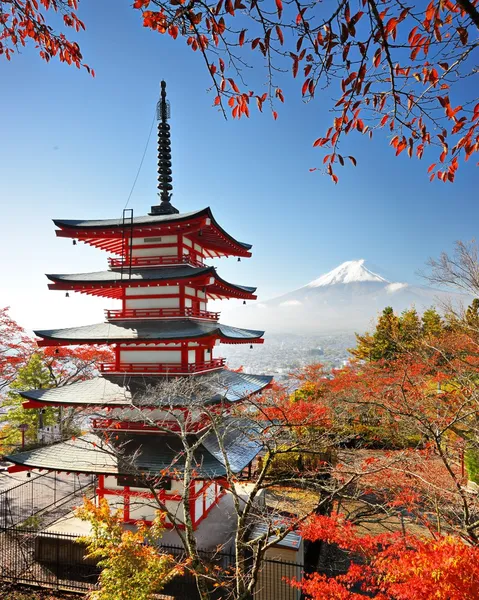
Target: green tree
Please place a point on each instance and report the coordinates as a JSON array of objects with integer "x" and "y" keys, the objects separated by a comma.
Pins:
[
  {"x": 383, "y": 344},
  {"x": 471, "y": 317},
  {"x": 34, "y": 375},
  {"x": 432, "y": 324},
  {"x": 409, "y": 330}
]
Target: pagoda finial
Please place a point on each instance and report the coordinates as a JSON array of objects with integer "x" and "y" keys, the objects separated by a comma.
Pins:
[{"x": 164, "y": 157}]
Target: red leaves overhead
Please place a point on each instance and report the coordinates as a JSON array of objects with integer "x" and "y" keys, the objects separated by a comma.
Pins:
[
  {"x": 381, "y": 64},
  {"x": 279, "y": 8}
]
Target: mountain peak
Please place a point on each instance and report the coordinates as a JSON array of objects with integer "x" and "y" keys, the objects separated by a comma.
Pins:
[{"x": 351, "y": 271}]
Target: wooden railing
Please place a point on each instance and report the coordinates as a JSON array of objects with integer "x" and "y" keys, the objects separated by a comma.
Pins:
[
  {"x": 161, "y": 313},
  {"x": 163, "y": 368},
  {"x": 155, "y": 261}
]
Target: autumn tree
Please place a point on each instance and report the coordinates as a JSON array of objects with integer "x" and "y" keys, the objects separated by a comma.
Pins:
[
  {"x": 275, "y": 424},
  {"x": 133, "y": 566},
  {"x": 16, "y": 347},
  {"x": 25, "y": 367},
  {"x": 386, "y": 65},
  {"x": 396, "y": 567}
]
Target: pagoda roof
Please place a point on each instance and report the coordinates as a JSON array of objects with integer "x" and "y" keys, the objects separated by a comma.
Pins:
[
  {"x": 153, "y": 453},
  {"x": 124, "y": 391},
  {"x": 147, "y": 330},
  {"x": 115, "y": 278},
  {"x": 200, "y": 224}
]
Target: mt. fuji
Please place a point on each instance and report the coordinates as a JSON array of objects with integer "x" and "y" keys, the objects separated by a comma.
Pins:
[{"x": 348, "y": 298}]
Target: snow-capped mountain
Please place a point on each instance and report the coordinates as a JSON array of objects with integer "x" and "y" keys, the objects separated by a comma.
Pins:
[
  {"x": 348, "y": 298},
  {"x": 350, "y": 271}
]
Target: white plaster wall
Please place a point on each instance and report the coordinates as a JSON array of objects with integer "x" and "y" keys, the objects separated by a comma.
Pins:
[
  {"x": 187, "y": 241},
  {"x": 153, "y": 303},
  {"x": 191, "y": 356},
  {"x": 198, "y": 507},
  {"x": 168, "y": 251},
  {"x": 210, "y": 495},
  {"x": 144, "y": 356}
]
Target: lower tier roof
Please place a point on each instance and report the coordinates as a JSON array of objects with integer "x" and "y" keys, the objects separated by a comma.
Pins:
[
  {"x": 123, "y": 391},
  {"x": 148, "y": 453},
  {"x": 128, "y": 331}
]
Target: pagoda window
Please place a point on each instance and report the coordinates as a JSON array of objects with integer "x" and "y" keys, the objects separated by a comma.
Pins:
[
  {"x": 164, "y": 239},
  {"x": 139, "y": 482}
]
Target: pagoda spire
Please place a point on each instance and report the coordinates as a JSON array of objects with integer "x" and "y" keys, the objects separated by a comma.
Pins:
[{"x": 164, "y": 157}]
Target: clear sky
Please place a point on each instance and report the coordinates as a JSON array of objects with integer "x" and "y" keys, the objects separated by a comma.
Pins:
[{"x": 71, "y": 147}]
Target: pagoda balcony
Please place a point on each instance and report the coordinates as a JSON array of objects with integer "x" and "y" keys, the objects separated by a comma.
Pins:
[
  {"x": 154, "y": 261},
  {"x": 160, "y": 313},
  {"x": 164, "y": 368}
]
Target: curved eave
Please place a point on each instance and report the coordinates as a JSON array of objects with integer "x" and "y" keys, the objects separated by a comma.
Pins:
[
  {"x": 120, "y": 391},
  {"x": 201, "y": 226},
  {"x": 216, "y": 286},
  {"x": 170, "y": 332},
  {"x": 91, "y": 454}
]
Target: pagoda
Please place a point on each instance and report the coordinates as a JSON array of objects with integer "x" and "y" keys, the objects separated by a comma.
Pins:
[{"x": 161, "y": 330}]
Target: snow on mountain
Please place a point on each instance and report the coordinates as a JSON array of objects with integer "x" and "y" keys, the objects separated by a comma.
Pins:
[
  {"x": 348, "y": 272},
  {"x": 348, "y": 298}
]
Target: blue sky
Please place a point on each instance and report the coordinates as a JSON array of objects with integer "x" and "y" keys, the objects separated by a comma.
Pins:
[{"x": 71, "y": 146}]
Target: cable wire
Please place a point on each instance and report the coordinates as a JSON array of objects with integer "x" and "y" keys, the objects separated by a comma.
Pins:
[{"x": 142, "y": 159}]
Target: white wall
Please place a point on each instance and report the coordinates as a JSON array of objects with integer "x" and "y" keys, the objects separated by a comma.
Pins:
[
  {"x": 152, "y": 303},
  {"x": 150, "y": 356}
]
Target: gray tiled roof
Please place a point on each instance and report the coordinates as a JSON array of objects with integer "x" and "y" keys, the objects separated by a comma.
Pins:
[
  {"x": 171, "y": 272},
  {"x": 147, "y": 220},
  {"x": 291, "y": 540},
  {"x": 151, "y": 452},
  {"x": 160, "y": 274},
  {"x": 115, "y": 390},
  {"x": 149, "y": 330},
  {"x": 240, "y": 440}
]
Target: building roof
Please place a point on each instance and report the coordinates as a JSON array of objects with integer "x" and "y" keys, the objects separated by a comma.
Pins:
[
  {"x": 115, "y": 278},
  {"x": 115, "y": 390},
  {"x": 212, "y": 234},
  {"x": 129, "y": 331},
  {"x": 292, "y": 539},
  {"x": 151, "y": 453}
]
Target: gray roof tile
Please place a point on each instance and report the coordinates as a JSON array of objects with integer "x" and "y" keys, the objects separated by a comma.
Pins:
[
  {"x": 151, "y": 452},
  {"x": 149, "y": 330},
  {"x": 115, "y": 390},
  {"x": 160, "y": 274},
  {"x": 146, "y": 220}
]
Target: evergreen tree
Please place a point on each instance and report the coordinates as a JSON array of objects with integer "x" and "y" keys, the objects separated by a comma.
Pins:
[
  {"x": 432, "y": 324},
  {"x": 34, "y": 375},
  {"x": 409, "y": 329},
  {"x": 471, "y": 317},
  {"x": 386, "y": 336}
]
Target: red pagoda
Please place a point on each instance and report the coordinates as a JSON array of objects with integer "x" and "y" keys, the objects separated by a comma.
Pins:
[{"x": 161, "y": 329}]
